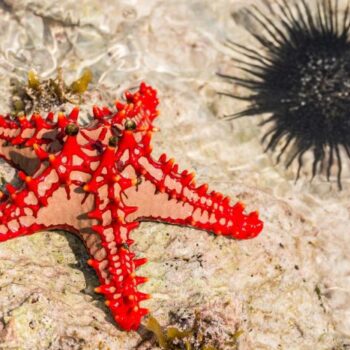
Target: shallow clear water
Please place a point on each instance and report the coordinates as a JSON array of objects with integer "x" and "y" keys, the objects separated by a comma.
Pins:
[{"x": 287, "y": 289}]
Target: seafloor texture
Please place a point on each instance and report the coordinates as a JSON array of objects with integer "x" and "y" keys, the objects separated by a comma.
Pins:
[{"x": 287, "y": 289}]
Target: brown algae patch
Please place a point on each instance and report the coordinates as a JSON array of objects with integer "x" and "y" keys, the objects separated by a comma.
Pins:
[
  {"x": 194, "y": 330},
  {"x": 42, "y": 95}
]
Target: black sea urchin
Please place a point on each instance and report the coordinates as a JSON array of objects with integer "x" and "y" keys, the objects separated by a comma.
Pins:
[{"x": 302, "y": 80}]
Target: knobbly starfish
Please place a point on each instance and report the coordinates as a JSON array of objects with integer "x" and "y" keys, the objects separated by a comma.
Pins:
[{"x": 99, "y": 181}]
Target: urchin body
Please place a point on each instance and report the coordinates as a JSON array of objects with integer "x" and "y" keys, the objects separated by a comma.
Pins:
[{"x": 302, "y": 80}]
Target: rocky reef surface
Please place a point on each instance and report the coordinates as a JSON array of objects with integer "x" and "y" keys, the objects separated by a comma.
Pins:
[{"x": 287, "y": 289}]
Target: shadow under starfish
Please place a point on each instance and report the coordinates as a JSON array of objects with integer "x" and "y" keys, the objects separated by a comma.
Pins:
[{"x": 99, "y": 181}]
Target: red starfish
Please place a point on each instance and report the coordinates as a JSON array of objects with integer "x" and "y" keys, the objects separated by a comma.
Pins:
[{"x": 99, "y": 181}]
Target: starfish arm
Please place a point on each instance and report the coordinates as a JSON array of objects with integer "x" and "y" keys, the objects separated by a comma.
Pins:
[
  {"x": 36, "y": 205},
  {"x": 173, "y": 197},
  {"x": 116, "y": 267},
  {"x": 18, "y": 136},
  {"x": 43, "y": 200},
  {"x": 116, "y": 272},
  {"x": 15, "y": 221},
  {"x": 19, "y": 210}
]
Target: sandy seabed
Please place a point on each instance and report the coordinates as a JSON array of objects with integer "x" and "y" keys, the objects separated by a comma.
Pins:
[{"x": 287, "y": 289}]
